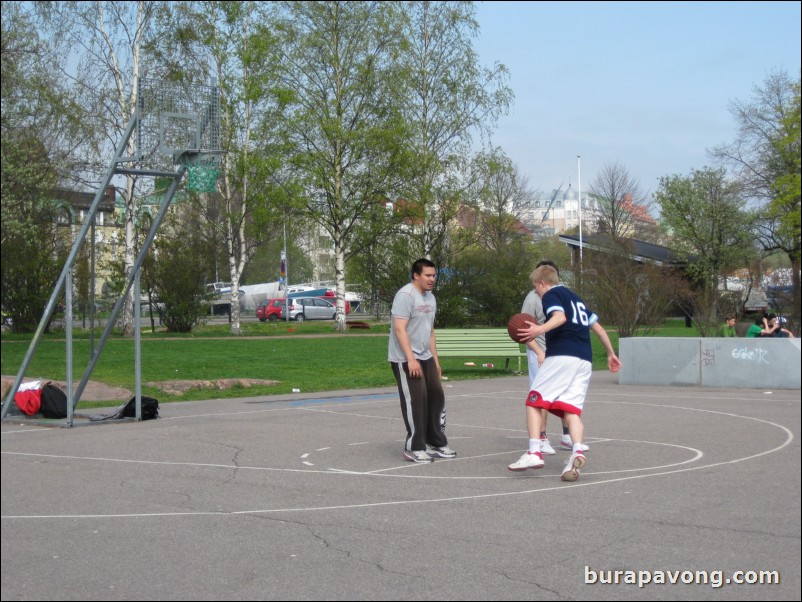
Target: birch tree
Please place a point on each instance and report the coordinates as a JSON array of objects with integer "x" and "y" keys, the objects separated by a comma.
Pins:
[
  {"x": 450, "y": 99},
  {"x": 343, "y": 123},
  {"x": 107, "y": 41},
  {"x": 232, "y": 43}
]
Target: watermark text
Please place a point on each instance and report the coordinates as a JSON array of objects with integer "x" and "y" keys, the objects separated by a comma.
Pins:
[{"x": 714, "y": 579}]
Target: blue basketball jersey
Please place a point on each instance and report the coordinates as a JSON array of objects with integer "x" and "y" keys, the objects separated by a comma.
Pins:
[{"x": 573, "y": 337}]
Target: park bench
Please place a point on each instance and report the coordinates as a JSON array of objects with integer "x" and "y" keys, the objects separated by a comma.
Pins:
[{"x": 479, "y": 342}]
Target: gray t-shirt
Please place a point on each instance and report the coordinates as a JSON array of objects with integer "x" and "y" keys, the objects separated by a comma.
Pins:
[
  {"x": 418, "y": 309},
  {"x": 533, "y": 306}
]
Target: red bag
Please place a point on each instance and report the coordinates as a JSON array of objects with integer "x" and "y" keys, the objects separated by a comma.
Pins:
[{"x": 29, "y": 401}]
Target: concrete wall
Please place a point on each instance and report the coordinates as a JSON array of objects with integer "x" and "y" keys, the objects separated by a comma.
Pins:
[{"x": 711, "y": 362}]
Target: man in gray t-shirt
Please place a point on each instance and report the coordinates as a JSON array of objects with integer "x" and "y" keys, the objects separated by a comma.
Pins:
[
  {"x": 536, "y": 349},
  {"x": 412, "y": 353}
]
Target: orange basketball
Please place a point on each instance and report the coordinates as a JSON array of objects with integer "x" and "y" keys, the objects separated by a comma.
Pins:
[{"x": 516, "y": 322}]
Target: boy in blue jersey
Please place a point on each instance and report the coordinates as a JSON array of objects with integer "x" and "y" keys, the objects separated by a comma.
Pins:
[{"x": 562, "y": 381}]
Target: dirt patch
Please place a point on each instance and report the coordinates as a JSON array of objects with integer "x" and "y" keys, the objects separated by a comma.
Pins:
[
  {"x": 179, "y": 387},
  {"x": 97, "y": 391},
  {"x": 93, "y": 391}
]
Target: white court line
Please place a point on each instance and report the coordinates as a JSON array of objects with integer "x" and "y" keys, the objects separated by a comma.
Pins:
[
  {"x": 512, "y": 394},
  {"x": 562, "y": 487},
  {"x": 38, "y": 429},
  {"x": 698, "y": 455},
  {"x": 728, "y": 397}
]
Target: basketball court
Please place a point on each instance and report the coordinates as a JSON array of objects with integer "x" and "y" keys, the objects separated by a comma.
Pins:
[{"x": 308, "y": 497}]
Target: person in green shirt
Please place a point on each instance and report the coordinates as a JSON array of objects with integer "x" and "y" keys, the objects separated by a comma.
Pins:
[
  {"x": 728, "y": 328},
  {"x": 760, "y": 328}
]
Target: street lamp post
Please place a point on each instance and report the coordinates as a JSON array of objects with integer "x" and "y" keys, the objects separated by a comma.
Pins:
[
  {"x": 579, "y": 194},
  {"x": 285, "y": 274}
]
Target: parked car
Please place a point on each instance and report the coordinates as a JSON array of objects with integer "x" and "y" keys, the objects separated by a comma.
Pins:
[
  {"x": 301, "y": 308},
  {"x": 332, "y": 296},
  {"x": 313, "y": 308},
  {"x": 270, "y": 309}
]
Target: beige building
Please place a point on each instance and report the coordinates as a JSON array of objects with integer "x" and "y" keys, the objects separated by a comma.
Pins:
[
  {"x": 76, "y": 207},
  {"x": 559, "y": 211}
]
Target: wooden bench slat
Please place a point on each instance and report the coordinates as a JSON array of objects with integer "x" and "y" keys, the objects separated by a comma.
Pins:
[{"x": 482, "y": 342}]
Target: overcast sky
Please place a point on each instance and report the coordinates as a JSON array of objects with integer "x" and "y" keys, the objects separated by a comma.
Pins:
[{"x": 647, "y": 84}]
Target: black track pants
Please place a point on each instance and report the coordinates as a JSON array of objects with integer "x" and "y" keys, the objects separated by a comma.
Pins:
[{"x": 423, "y": 405}]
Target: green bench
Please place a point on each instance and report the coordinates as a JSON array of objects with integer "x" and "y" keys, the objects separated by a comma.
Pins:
[{"x": 479, "y": 342}]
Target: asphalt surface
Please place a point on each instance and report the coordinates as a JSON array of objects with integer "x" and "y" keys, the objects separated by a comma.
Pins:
[{"x": 301, "y": 496}]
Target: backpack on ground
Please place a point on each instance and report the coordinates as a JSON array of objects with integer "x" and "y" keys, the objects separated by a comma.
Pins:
[
  {"x": 29, "y": 401},
  {"x": 54, "y": 402},
  {"x": 150, "y": 410}
]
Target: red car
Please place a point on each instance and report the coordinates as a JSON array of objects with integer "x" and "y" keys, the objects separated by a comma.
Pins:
[
  {"x": 270, "y": 309},
  {"x": 301, "y": 308}
]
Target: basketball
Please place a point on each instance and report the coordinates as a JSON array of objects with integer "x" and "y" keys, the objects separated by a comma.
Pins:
[{"x": 516, "y": 322}]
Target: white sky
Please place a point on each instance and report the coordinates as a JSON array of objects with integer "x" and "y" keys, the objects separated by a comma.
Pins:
[{"x": 647, "y": 84}]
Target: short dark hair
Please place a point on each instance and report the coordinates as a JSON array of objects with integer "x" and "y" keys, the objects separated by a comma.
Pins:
[
  {"x": 548, "y": 262},
  {"x": 417, "y": 267}
]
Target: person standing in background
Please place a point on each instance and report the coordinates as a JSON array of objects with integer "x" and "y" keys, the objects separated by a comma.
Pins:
[{"x": 728, "y": 328}]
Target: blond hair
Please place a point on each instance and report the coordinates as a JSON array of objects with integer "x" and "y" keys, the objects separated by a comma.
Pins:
[{"x": 545, "y": 273}]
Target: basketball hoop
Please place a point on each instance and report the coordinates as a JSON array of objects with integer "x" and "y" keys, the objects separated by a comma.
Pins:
[
  {"x": 203, "y": 169},
  {"x": 182, "y": 121},
  {"x": 202, "y": 178}
]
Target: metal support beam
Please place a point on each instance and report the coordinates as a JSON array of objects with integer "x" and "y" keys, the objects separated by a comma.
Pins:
[
  {"x": 79, "y": 240},
  {"x": 168, "y": 199}
]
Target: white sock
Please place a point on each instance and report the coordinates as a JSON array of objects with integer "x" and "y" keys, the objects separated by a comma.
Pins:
[
  {"x": 577, "y": 448},
  {"x": 534, "y": 446}
]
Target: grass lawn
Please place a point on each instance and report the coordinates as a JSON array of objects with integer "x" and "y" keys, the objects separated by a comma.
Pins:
[{"x": 303, "y": 356}]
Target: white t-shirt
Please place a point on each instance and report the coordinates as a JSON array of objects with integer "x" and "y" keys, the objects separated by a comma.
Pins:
[{"x": 419, "y": 310}]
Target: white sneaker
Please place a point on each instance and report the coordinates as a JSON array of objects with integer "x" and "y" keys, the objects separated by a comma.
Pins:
[
  {"x": 545, "y": 447},
  {"x": 440, "y": 452},
  {"x": 575, "y": 462},
  {"x": 566, "y": 443},
  {"x": 419, "y": 457},
  {"x": 528, "y": 460}
]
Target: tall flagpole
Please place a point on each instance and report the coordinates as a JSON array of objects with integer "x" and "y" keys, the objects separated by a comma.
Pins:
[
  {"x": 579, "y": 194},
  {"x": 285, "y": 273}
]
